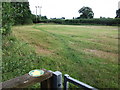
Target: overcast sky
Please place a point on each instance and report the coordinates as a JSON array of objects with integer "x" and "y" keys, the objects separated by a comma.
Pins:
[{"x": 69, "y": 8}]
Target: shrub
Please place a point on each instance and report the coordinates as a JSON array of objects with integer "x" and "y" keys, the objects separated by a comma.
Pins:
[{"x": 28, "y": 21}]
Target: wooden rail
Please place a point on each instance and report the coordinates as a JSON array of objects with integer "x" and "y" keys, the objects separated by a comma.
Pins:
[{"x": 27, "y": 80}]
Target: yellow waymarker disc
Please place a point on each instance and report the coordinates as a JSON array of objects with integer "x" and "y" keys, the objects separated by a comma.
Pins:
[{"x": 36, "y": 73}]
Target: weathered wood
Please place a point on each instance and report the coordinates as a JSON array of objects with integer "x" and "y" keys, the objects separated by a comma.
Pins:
[
  {"x": 47, "y": 84},
  {"x": 55, "y": 82},
  {"x": 25, "y": 80}
]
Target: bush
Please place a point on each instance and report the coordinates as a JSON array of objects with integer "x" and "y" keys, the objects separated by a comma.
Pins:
[{"x": 28, "y": 21}]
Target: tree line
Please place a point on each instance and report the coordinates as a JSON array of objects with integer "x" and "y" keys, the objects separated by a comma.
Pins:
[{"x": 18, "y": 13}]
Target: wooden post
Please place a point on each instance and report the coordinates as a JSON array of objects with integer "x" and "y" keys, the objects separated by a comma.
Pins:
[
  {"x": 47, "y": 84},
  {"x": 55, "y": 82}
]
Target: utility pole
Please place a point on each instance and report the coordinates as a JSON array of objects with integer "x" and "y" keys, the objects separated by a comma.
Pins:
[
  {"x": 36, "y": 13},
  {"x": 39, "y": 7},
  {"x": 40, "y": 11}
]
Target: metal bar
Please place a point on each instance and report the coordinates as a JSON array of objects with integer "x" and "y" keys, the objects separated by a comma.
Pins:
[
  {"x": 65, "y": 82},
  {"x": 76, "y": 82},
  {"x": 36, "y": 13}
]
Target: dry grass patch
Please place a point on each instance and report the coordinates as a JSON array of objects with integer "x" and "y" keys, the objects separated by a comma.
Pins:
[
  {"x": 106, "y": 55},
  {"x": 40, "y": 50}
]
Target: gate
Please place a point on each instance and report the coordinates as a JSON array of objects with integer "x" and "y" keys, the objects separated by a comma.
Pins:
[{"x": 49, "y": 80}]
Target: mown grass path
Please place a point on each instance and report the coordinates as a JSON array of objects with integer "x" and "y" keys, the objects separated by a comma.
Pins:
[{"x": 69, "y": 52}]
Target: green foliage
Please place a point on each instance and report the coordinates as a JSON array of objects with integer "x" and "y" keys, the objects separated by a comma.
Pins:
[
  {"x": 22, "y": 13},
  {"x": 86, "y": 12},
  {"x": 43, "y": 17},
  {"x": 14, "y": 13},
  {"x": 38, "y": 19},
  {"x": 117, "y": 13},
  {"x": 7, "y": 18},
  {"x": 28, "y": 21},
  {"x": 34, "y": 18}
]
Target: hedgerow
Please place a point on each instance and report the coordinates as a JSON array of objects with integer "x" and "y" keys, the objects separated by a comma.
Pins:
[{"x": 108, "y": 21}]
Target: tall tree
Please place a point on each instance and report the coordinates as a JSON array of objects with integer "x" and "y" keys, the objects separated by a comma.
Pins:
[
  {"x": 86, "y": 12},
  {"x": 117, "y": 13},
  {"x": 22, "y": 12}
]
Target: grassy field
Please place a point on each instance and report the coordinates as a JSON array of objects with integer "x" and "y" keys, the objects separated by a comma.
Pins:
[{"x": 87, "y": 53}]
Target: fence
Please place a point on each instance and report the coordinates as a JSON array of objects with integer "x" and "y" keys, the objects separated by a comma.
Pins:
[{"x": 48, "y": 80}]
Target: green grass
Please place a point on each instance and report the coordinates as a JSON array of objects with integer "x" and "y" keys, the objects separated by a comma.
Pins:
[{"x": 87, "y": 53}]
